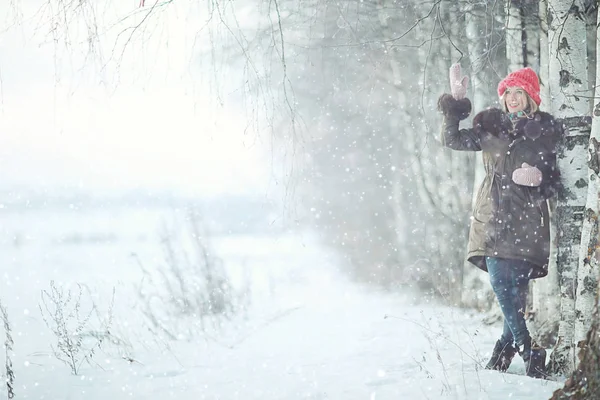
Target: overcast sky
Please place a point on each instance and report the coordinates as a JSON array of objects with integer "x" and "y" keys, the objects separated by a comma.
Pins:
[{"x": 66, "y": 121}]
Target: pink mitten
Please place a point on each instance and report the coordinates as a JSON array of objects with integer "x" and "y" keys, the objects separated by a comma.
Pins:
[
  {"x": 458, "y": 84},
  {"x": 527, "y": 176}
]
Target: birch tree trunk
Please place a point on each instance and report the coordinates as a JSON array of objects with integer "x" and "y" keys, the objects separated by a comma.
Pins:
[
  {"x": 522, "y": 34},
  {"x": 479, "y": 31},
  {"x": 515, "y": 52},
  {"x": 584, "y": 383},
  {"x": 544, "y": 55},
  {"x": 568, "y": 79},
  {"x": 456, "y": 184},
  {"x": 592, "y": 42},
  {"x": 413, "y": 155},
  {"x": 531, "y": 25},
  {"x": 443, "y": 189},
  {"x": 544, "y": 319},
  {"x": 587, "y": 271}
]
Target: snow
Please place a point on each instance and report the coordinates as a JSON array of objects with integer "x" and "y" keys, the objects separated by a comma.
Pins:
[{"x": 308, "y": 332}]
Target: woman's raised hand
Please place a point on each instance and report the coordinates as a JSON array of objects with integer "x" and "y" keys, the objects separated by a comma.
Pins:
[{"x": 458, "y": 83}]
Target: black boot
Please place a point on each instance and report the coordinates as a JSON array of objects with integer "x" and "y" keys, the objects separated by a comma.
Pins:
[
  {"x": 534, "y": 357},
  {"x": 501, "y": 356}
]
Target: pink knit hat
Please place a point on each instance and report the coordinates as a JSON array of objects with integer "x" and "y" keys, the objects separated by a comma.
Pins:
[{"x": 525, "y": 78}]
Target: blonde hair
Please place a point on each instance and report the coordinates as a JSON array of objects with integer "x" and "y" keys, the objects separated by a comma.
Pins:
[{"x": 532, "y": 105}]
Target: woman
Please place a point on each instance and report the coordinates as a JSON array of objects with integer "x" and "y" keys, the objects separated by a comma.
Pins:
[{"x": 509, "y": 235}]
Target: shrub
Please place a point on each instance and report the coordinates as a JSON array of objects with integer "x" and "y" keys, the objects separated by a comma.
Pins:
[
  {"x": 62, "y": 312},
  {"x": 187, "y": 293}
]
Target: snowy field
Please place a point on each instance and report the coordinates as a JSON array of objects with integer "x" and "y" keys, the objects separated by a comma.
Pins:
[{"x": 305, "y": 332}]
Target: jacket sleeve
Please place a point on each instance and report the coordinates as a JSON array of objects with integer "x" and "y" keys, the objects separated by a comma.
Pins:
[
  {"x": 454, "y": 111},
  {"x": 459, "y": 139}
]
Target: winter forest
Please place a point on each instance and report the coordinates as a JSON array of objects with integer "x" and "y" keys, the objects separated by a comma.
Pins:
[{"x": 252, "y": 200}]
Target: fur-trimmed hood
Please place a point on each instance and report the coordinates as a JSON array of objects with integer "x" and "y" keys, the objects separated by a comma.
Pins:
[{"x": 497, "y": 123}]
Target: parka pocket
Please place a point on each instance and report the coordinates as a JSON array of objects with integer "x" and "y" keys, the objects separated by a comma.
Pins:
[
  {"x": 483, "y": 210},
  {"x": 537, "y": 211}
]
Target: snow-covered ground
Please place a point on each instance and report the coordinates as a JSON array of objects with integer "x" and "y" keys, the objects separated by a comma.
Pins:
[{"x": 307, "y": 333}]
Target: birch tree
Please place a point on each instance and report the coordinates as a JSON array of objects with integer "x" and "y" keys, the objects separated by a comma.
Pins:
[
  {"x": 584, "y": 382},
  {"x": 514, "y": 36},
  {"x": 482, "y": 43},
  {"x": 415, "y": 153},
  {"x": 522, "y": 34},
  {"x": 544, "y": 299},
  {"x": 457, "y": 185},
  {"x": 401, "y": 144},
  {"x": 447, "y": 175},
  {"x": 568, "y": 81},
  {"x": 481, "y": 27},
  {"x": 587, "y": 271},
  {"x": 544, "y": 55}
]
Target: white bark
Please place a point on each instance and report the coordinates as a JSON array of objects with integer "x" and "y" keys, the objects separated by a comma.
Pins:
[
  {"x": 483, "y": 88},
  {"x": 568, "y": 80},
  {"x": 592, "y": 42},
  {"x": 514, "y": 37},
  {"x": 478, "y": 292},
  {"x": 531, "y": 24},
  {"x": 587, "y": 273},
  {"x": 546, "y": 292},
  {"x": 568, "y": 59},
  {"x": 544, "y": 55},
  {"x": 475, "y": 291},
  {"x": 478, "y": 43},
  {"x": 569, "y": 223}
]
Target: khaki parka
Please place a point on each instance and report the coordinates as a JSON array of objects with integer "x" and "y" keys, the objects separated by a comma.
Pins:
[{"x": 509, "y": 220}]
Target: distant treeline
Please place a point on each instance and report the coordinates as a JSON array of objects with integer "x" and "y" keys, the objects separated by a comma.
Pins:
[{"x": 228, "y": 214}]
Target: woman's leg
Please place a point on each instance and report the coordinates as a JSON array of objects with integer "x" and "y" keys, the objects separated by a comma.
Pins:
[
  {"x": 504, "y": 281},
  {"x": 510, "y": 282},
  {"x": 507, "y": 336}
]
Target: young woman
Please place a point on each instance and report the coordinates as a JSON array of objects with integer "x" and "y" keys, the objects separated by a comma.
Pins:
[{"x": 509, "y": 235}]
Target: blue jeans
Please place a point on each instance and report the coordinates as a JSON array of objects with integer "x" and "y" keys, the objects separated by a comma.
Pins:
[{"x": 510, "y": 282}]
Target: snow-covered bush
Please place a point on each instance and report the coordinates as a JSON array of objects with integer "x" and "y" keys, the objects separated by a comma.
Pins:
[
  {"x": 190, "y": 291},
  {"x": 76, "y": 340}
]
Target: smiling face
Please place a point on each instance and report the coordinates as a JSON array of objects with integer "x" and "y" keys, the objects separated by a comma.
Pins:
[{"x": 516, "y": 99}]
